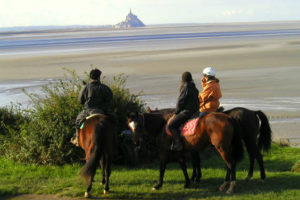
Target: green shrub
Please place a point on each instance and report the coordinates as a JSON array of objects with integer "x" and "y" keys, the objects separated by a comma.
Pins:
[
  {"x": 45, "y": 137},
  {"x": 296, "y": 167},
  {"x": 11, "y": 120}
]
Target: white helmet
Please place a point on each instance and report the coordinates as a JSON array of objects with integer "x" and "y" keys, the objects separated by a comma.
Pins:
[{"x": 209, "y": 71}]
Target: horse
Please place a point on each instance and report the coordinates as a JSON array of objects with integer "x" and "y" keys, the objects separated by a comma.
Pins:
[
  {"x": 97, "y": 139},
  {"x": 217, "y": 129},
  {"x": 256, "y": 134}
]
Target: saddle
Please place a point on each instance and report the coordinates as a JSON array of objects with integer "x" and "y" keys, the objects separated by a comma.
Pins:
[
  {"x": 99, "y": 115},
  {"x": 188, "y": 128}
]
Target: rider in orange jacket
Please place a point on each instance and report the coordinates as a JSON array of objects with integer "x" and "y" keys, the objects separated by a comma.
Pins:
[{"x": 209, "y": 97}]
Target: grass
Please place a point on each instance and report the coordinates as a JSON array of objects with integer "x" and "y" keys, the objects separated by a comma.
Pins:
[{"x": 136, "y": 183}]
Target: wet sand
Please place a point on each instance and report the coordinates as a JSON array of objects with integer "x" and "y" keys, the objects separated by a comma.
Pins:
[{"x": 260, "y": 73}]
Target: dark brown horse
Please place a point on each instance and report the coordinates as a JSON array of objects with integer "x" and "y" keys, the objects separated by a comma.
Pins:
[
  {"x": 97, "y": 139},
  {"x": 217, "y": 129},
  {"x": 256, "y": 134}
]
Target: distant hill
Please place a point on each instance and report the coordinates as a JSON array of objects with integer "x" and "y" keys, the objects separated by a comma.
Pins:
[{"x": 130, "y": 21}]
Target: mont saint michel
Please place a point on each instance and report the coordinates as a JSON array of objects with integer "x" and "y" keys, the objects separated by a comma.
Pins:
[{"x": 131, "y": 21}]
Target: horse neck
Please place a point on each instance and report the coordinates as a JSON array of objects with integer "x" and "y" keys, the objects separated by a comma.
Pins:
[{"x": 153, "y": 123}]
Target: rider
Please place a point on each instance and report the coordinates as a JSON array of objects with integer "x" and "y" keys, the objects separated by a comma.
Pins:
[
  {"x": 187, "y": 105},
  {"x": 96, "y": 98},
  {"x": 211, "y": 93}
]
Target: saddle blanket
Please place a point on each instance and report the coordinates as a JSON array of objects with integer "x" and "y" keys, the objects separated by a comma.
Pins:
[{"x": 189, "y": 128}]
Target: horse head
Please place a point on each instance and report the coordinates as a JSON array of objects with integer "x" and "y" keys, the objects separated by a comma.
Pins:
[{"x": 135, "y": 123}]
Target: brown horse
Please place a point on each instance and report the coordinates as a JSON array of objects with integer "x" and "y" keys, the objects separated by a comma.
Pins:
[
  {"x": 97, "y": 139},
  {"x": 256, "y": 134},
  {"x": 217, "y": 129}
]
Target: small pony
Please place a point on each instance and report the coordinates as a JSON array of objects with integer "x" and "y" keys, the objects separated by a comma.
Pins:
[{"x": 97, "y": 139}]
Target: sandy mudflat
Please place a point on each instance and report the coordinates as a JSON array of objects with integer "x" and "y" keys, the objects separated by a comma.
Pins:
[{"x": 259, "y": 72}]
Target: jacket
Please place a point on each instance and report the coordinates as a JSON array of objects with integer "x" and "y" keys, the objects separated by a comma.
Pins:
[
  {"x": 188, "y": 101},
  {"x": 96, "y": 95},
  {"x": 209, "y": 97}
]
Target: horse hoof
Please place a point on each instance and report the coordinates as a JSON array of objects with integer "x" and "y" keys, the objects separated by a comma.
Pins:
[
  {"x": 105, "y": 192},
  {"x": 223, "y": 186},
  {"x": 86, "y": 195},
  {"x": 155, "y": 188},
  {"x": 229, "y": 191}
]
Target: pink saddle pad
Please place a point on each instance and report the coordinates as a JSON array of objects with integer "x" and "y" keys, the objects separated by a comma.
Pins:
[{"x": 189, "y": 128}]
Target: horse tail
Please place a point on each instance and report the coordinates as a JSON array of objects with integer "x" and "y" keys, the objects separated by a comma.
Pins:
[
  {"x": 265, "y": 135},
  {"x": 90, "y": 167},
  {"x": 237, "y": 144}
]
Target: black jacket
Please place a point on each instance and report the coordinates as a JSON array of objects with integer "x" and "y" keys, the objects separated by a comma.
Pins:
[
  {"x": 188, "y": 101},
  {"x": 96, "y": 95}
]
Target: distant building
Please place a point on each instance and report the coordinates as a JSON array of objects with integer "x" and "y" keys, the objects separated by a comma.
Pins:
[{"x": 130, "y": 21}]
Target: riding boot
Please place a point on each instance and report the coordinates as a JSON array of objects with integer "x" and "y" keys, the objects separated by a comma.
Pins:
[
  {"x": 176, "y": 144},
  {"x": 74, "y": 139}
]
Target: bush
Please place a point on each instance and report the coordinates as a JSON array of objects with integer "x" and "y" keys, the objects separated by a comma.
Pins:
[
  {"x": 11, "y": 120},
  {"x": 44, "y": 137},
  {"x": 296, "y": 167}
]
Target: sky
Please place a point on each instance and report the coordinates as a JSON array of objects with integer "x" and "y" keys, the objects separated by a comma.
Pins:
[{"x": 109, "y": 12}]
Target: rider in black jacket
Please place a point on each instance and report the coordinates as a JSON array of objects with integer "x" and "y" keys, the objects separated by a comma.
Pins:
[
  {"x": 187, "y": 105},
  {"x": 96, "y": 98}
]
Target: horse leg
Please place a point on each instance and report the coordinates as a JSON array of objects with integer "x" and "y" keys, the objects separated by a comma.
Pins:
[
  {"x": 251, "y": 153},
  {"x": 225, "y": 157},
  {"x": 196, "y": 176},
  {"x": 233, "y": 178},
  {"x": 227, "y": 178},
  {"x": 260, "y": 161},
  {"x": 90, "y": 183},
  {"x": 107, "y": 173},
  {"x": 194, "y": 163},
  {"x": 199, "y": 172},
  {"x": 163, "y": 165},
  {"x": 102, "y": 164},
  {"x": 182, "y": 164}
]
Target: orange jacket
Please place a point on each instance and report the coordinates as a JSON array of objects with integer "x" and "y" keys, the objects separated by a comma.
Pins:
[{"x": 209, "y": 97}]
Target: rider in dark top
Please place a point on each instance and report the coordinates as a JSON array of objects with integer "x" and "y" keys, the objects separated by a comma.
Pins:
[
  {"x": 96, "y": 98},
  {"x": 187, "y": 105}
]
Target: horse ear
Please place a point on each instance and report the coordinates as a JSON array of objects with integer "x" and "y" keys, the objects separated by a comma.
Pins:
[{"x": 149, "y": 110}]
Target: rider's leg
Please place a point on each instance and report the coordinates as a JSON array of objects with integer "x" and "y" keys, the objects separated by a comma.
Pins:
[
  {"x": 79, "y": 120},
  {"x": 174, "y": 128}
]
